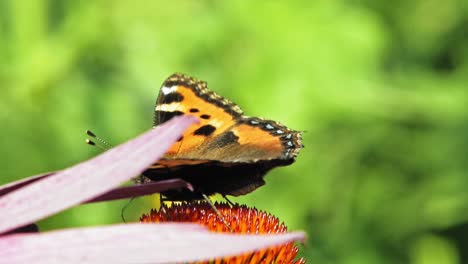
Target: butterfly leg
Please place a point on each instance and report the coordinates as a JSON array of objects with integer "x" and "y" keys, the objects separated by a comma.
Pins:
[
  {"x": 220, "y": 216},
  {"x": 163, "y": 207},
  {"x": 122, "y": 211},
  {"x": 227, "y": 200}
]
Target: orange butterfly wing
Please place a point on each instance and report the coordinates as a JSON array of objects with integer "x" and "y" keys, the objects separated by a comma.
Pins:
[
  {"x": 223, "y": 134},
  {"x": 178, "y": 99},
  {"x": 227, "y": 152}
]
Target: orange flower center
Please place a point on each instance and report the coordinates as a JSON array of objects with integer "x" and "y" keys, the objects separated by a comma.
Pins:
[{"x": 241, "y": 220}]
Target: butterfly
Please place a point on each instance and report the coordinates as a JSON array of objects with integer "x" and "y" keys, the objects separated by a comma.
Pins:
[{"x": 227, "y": 152}]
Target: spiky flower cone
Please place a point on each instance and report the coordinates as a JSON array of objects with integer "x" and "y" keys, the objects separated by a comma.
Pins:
[{"x": 241, "y": 220}]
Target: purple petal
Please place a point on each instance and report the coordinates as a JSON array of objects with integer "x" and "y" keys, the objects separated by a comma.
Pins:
[
  {"x": 133, "y": 243},
  {"x": 31, "y": 228},
  {"x": 89, "y": 179},
  {"x": 142, "y": 189},
  {"x": 9, "y": 187}
]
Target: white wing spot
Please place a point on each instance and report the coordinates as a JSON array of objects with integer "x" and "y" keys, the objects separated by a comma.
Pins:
[
  {"x": 170, "y": 107},
  {"x": 167, "y": 90},
  {"x": 216, "y": 123}
]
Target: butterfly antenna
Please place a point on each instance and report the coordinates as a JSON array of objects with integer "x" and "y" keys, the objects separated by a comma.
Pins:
[
  {"x": 92, "y": 143},
  {"x": 98, "y": 142},
  {"x": 220, "y": 216}
]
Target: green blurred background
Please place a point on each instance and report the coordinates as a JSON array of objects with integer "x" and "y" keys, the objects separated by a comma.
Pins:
[{"x": 380, "y": 87}]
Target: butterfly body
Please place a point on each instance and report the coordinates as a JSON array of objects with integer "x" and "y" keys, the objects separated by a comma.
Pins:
[{"x": 227, "y": 152}]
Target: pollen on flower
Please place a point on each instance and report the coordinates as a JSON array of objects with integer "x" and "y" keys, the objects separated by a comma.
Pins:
[{"x": 240, "y": 218}]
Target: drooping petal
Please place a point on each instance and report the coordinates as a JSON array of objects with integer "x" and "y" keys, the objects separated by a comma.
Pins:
[
  {"x": 30, "y": 228},
  {"x": 133, "y": 243},
  {"x": 11, "y": 186},
  {"x": 88, "y": 179},
  {"x": 142, "y": 189}
]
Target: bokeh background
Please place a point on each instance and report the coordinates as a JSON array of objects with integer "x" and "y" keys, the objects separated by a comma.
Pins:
[{"x": 380, "y": 87}]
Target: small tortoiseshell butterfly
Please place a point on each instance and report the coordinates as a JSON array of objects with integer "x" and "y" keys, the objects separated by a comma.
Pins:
[{"x": 226, "y": 153}]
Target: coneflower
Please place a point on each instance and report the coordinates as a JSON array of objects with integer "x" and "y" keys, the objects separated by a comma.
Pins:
[{"x": 241, "y": 220}]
